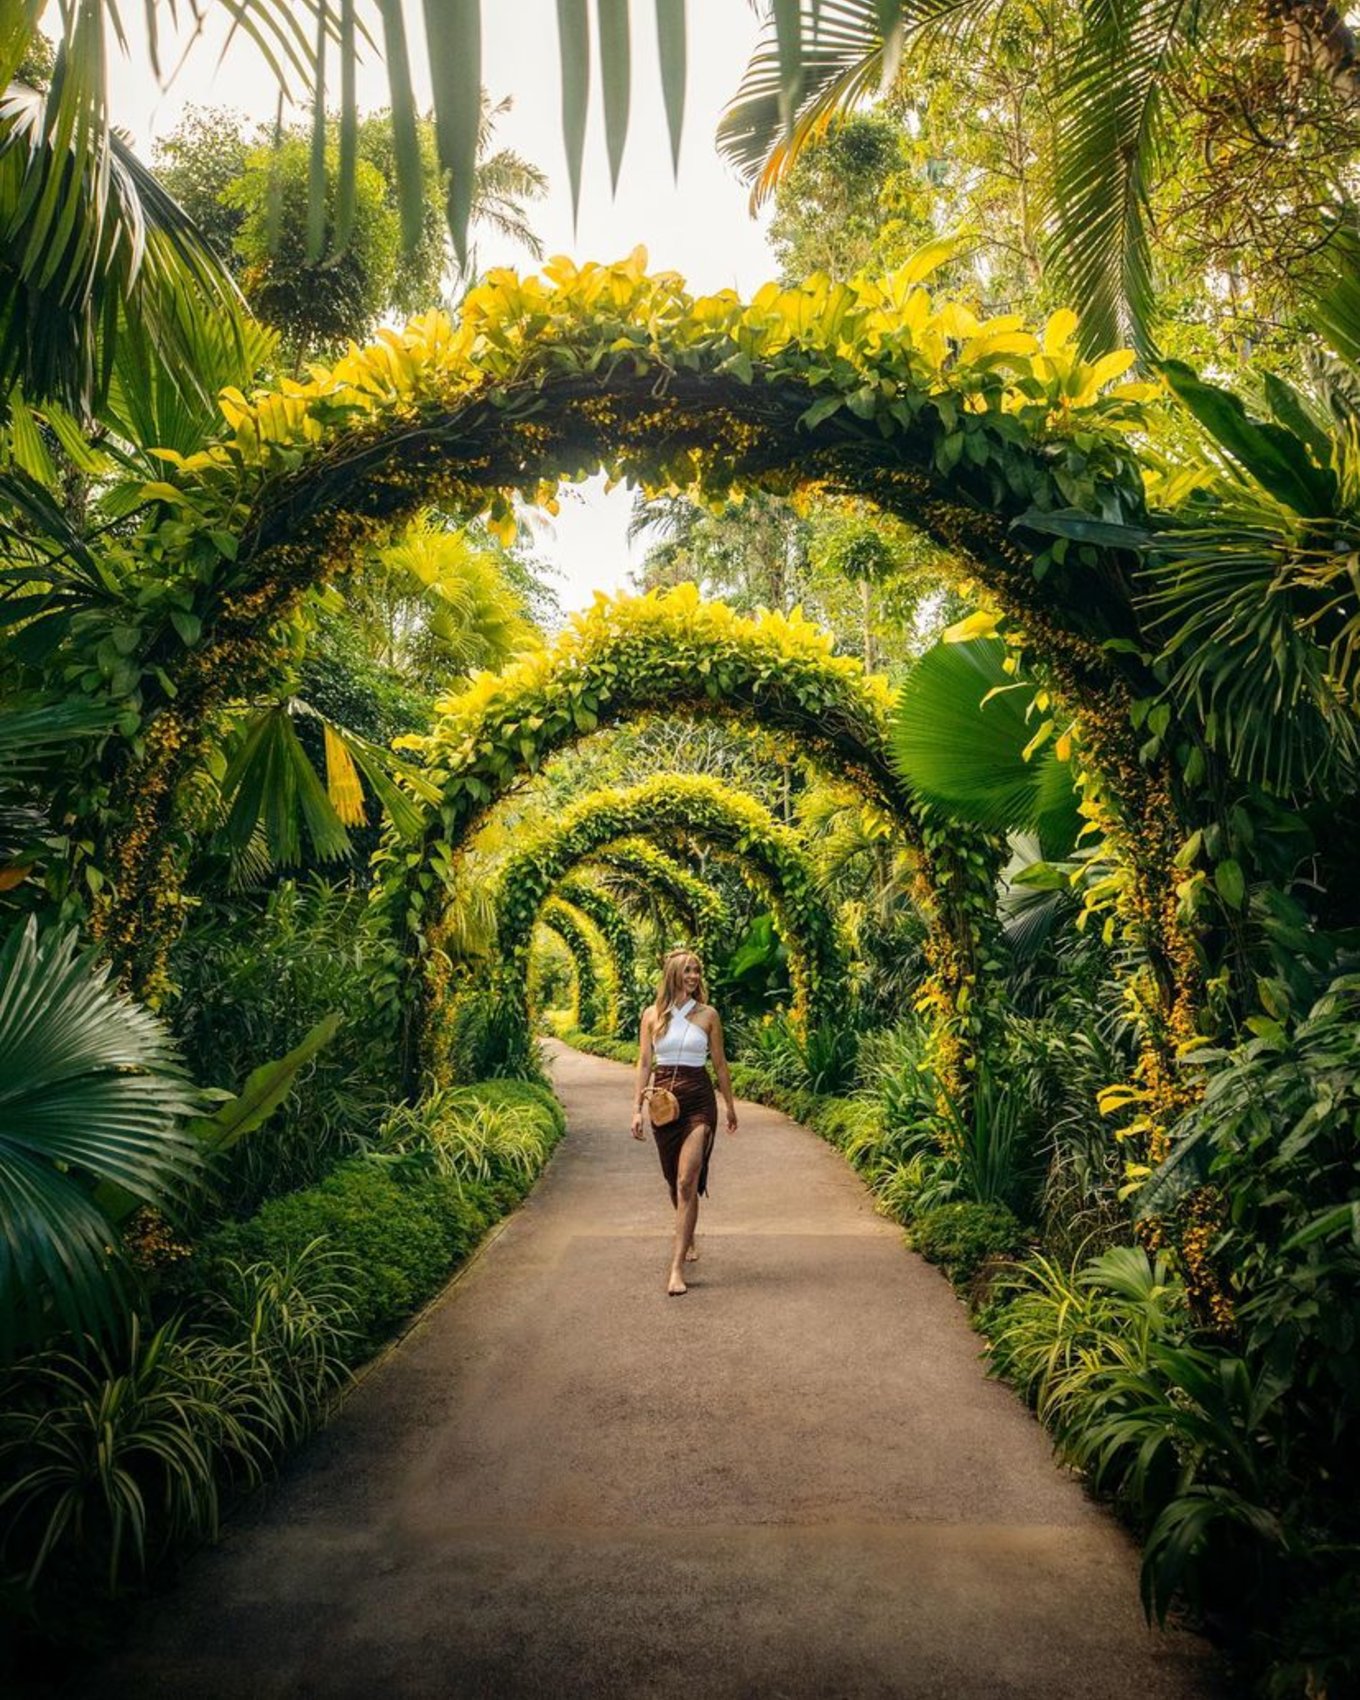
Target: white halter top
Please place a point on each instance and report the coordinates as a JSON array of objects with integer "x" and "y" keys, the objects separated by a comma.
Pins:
[{"x": 684, "y": 1044}]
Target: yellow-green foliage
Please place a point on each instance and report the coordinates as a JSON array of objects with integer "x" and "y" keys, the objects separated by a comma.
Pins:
[
  {"x": 616, "y": 930},
  {"x": 696, "y": 904},
  {"x": 596, "y": 1009},
  {"x": 879, "y": 350},
  {"x": 770, "y": 855}
]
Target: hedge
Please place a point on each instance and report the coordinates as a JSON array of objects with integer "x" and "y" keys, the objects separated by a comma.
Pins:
[{"x": 398, "y": 1230}]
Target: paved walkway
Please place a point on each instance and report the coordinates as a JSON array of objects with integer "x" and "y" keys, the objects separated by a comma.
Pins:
[{"x": 795, "y": 1481}]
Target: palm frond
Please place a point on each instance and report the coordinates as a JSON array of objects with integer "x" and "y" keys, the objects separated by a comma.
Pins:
[
  {"x": 839, "y": 62},
  {"x": 91, "y": 1091},
  {"x": 1111, "y": 133},
  {"x": 89, "y": 241},
  {"x": 960, "y": 734}
]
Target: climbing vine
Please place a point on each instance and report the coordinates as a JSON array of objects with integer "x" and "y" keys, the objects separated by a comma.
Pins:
[
  {"x": 697, "y": 910},
  {"x": 594, "y": 1005},
  {"x": 968, "y": 429},
  {"x": 627, "y": 654}
]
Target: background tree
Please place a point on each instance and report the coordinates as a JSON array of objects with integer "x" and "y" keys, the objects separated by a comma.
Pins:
[{"x": 250, "y": 198}]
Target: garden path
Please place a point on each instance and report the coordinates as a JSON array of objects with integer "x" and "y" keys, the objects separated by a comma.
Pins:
[{"x": 796, "y": 1481}]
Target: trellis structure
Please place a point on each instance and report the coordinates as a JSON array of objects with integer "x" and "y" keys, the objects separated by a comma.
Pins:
[{"x": 770, "y": 856}]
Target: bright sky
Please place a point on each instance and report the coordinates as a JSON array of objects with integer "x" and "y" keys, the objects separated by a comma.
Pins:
[{"x": 698, "y": 226}]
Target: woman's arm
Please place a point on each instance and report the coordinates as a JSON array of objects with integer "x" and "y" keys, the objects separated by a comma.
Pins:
[
  {"x": 644, "y": 1068},
  {"x": 715, "y": 1041}
]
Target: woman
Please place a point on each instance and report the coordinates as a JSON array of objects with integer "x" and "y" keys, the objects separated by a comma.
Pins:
[{"x": 679, "y": 1033}]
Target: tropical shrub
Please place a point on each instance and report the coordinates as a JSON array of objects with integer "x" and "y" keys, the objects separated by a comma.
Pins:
[
  {"x": 472, "y": 1140},
  {"x": 817, "y": 1058},
  {"x": 255, "y": 975},
  {"x": 398, "y": 1223},
  {"x": 112, "y": 1454},
  {"x": 963, "y": 1237},
  {"x": 397, "y": 1237}
]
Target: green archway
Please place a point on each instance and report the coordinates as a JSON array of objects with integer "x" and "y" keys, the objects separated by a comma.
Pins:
[
  {"x": 594, "y": 1006},
  {"x": 967, "y": 430},
  {"x": 694, "y": 904},
  {"x": 616, "y": 930},
  {"x": 628, "y": 654},
  {"x": 770, "y": 855}
]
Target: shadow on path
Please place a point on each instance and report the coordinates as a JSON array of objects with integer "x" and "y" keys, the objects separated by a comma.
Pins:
[{"x": 796, "y": 1481}]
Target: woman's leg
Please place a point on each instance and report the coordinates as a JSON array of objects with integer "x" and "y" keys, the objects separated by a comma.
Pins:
[{"x": 687, "y": 1204}]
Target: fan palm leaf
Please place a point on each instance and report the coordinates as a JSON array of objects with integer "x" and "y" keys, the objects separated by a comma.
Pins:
[
  {"x": 272, "y": 790},
  {"x": 91, "y": 1091},
  {"x": 959, "y": 736}
]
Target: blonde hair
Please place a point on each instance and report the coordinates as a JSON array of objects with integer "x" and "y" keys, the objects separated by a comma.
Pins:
[{"x": 672, "y": 988}]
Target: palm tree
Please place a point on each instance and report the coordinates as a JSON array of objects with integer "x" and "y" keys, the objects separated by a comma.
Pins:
[{"x": 819, "y": 58}]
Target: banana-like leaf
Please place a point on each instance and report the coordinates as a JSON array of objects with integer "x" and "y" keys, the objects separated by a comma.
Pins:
[
  {"x": 1273, "y": 455},
  {"x": 611, "y": 18},
  {"x": 959, "y": 733},
  {"x": 92, "y": 1090},
  {"x": 453, "y": 29},
  {"x": 573, "y": 50},
  {"x": 265, "y": 1089}
]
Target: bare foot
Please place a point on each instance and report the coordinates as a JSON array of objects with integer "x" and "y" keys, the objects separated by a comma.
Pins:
[
  {"x": 676, "y": 1285},
  {"x": 692, "y": 1255}
]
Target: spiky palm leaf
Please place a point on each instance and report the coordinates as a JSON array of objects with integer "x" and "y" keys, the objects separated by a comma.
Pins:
[
  {"x": 793, "y": 89},
  {"x": 89, "y": 240},
  {"x": 91, "y": 1091},
  {"x": 1111, "y": 135},
  {"x": 272, "y": 788}
]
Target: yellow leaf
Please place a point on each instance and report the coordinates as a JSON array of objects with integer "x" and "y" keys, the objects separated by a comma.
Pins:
[
  {"x": 979, "y": 625},
  {"x": 928, "y": 258},
  {"x": 1060, "y": 330},
  {"x": 342, "y": 781}
]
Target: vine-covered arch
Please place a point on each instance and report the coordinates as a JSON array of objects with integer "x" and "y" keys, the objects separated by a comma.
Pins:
[
  {"x": 616, "y": 930},
  {"x": 627, "y": 654},
  {"x": 972, "y": 431},
  {"x": 594, "y": 1006},
  {"x": 694, "y": 902},
  {"x": 770, "y": 855}
]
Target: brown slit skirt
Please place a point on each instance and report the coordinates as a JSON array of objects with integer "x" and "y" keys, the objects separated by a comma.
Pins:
[{"x": 698, "y": 1108}]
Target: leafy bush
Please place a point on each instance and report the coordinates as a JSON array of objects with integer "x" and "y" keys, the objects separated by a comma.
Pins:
[
  {"x": 474, "y": 1138},
  {"x": 254, "y": 982},
  {"x": 962, "y": 1237},
  {"x": 397, "y": 1238},
  {"x": 398, "y": 1223},
  {"x": 110, "y": 1456}
]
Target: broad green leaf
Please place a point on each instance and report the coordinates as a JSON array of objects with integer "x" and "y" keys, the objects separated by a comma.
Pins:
[
  {"x": 1273, "y": 456},
  {"x": 265, "y": 1089}
]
